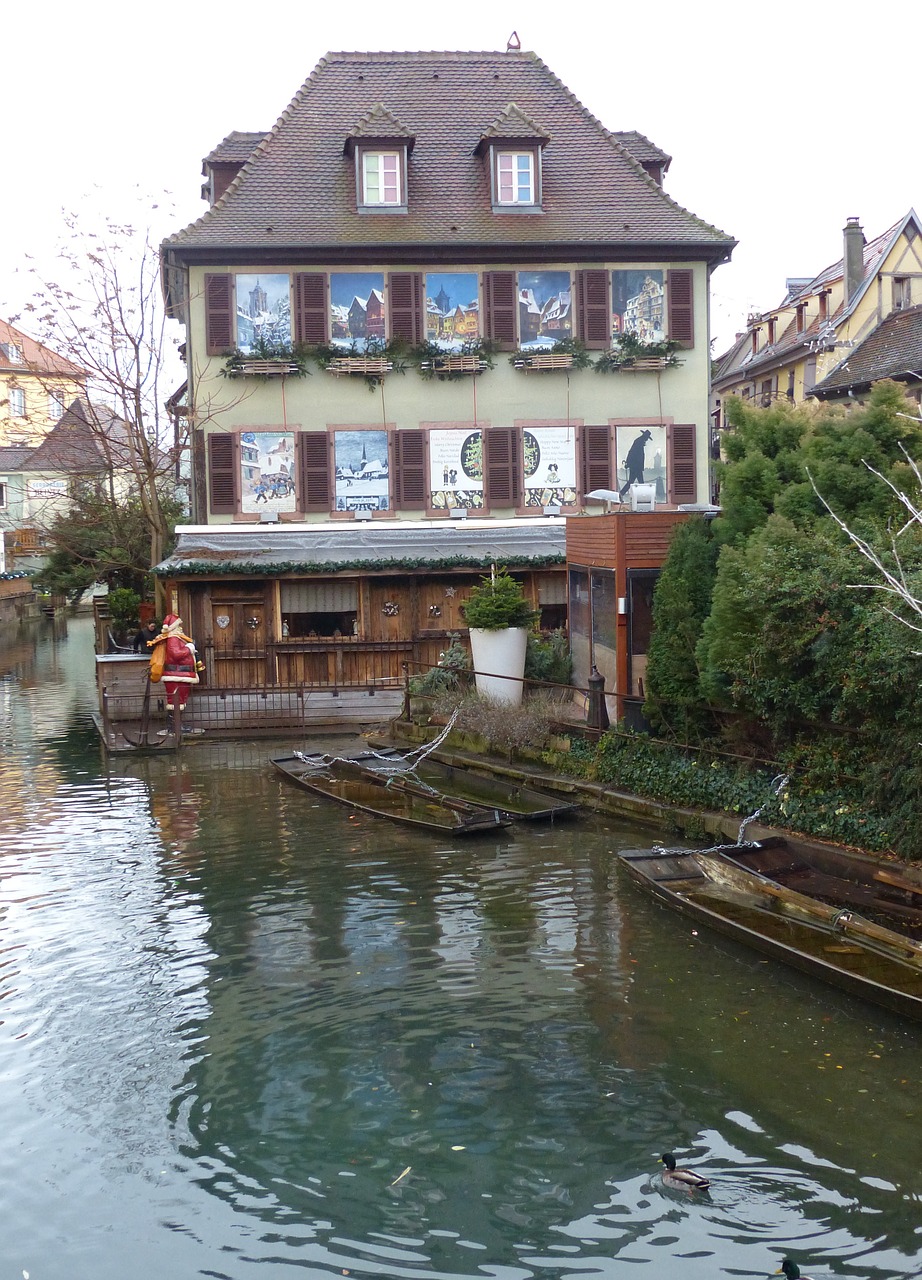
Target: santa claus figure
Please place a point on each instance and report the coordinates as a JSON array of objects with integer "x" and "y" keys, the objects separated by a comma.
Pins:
[{"x": 180, "y": 669}]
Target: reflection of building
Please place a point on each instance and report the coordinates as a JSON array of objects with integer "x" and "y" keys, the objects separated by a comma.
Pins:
[{"x": 535, "y": 259}]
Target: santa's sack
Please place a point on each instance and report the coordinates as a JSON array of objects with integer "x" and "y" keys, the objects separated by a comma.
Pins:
[{"x": 157, "y": 659}]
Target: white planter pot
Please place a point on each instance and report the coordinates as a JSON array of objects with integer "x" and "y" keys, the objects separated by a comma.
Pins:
[{"x": 498, "y": 654}]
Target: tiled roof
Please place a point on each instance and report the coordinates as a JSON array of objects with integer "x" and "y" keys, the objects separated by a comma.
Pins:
[
  {"x": 12, "y": 457},
  {"x": 36, "y": 359},
  {"x": 893, "y": 350},
  {"x": 513, "y": 123},
  {"x": 235, "y": 148},
  {"x": 379, "y": 123},
  {"x": 70, "y": 446},
  {"x": 641, "y": 148},
  {"x": 296, "y": 191}
]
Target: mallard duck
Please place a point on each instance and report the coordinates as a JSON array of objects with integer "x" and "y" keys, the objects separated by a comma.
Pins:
[
  {"x": 791, "y": 1270},
  {"x": 685, "y": 1179}
]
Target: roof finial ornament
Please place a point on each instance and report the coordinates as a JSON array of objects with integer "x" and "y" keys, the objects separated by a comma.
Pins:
[{"x": 513, "y": 43}]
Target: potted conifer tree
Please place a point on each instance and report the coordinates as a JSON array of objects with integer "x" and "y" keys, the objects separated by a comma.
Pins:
[{"x": 499, "y": 616}]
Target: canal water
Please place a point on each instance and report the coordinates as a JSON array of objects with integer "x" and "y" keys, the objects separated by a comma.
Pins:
[{"x": 243, "y": 1033}]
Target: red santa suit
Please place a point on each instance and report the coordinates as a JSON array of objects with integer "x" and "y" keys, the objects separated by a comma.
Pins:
[{"x": 179, "y": 667}]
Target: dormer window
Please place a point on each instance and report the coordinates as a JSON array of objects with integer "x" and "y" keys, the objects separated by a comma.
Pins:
[
  {"x": 380, "y": 147},
  {"x": 515, "y": 177},
  {"x": 512, "y": 148}
]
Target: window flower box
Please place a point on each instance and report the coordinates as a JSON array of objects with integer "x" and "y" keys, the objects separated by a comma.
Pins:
[
  {"x": 449, "y": 364},
  {"x": 266, "y": 369},
  {"x": 643, "y": 364},
  {"x": 544, "y": 362},
  {"x": 359, "y": 366}
]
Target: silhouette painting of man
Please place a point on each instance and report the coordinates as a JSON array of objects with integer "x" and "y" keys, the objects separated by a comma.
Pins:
[{"x": 635, "y": 461}]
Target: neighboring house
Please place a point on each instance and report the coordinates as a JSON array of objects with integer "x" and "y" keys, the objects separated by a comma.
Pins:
[
  {"x": 36, "y": 484},
  {"x": 807, "y": 345},
  {"x": 35, "y": 387},
  {"x": 448, "y": 198}
]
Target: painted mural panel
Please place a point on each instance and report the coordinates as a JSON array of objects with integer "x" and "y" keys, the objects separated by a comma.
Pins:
[
  {"x": 356, "y": 309},
  {"x": 549, "y": 457},
  {"x": 638, "y": 300},
  {"x": 452, "y": 309},
  {"x": 456, "y": 470},
  {"x": 361, "y": 463},
  {"x": 642, "y": 458},
  {"x": 263, "y": 312},
  {"x": 267, "y": 471},
  {"x": 545, "y": 308}
]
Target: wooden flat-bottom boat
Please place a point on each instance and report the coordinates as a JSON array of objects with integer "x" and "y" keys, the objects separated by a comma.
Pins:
[
  {"x": 836, "y": 945},
  {"x": 521, "y": 803},
  {"x": 886, "y": 894},
  {"x": 351, "y": 785}
]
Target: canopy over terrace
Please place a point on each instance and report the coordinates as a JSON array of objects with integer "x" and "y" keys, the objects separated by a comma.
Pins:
[{"x": 280, "y": 549}]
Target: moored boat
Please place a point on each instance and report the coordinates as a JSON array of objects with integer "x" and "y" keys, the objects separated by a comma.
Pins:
[
  {"x": 342, "y": 781},
  {"x": 836, "y": 945},
  {"x": 521, "y": 803},
  {"x": 888, "y": 894}
]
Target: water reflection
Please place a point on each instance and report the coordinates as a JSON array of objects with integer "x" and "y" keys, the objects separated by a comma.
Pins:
[{"x": 249, "y": 1027}]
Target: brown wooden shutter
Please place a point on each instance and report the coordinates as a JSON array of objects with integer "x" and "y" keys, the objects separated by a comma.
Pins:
[
  {"x": 593, "y": 311},
  {"x": 502, "y": 478},
  {"x": 410, "y": 488},
  {"x": 500, "y": 303},
  {"x": 681, "y": 462},
  {"x": 220, "y": 337},
  {"x": 223, "y": 469},
  {"x": 314, "y": 469},
  {"x": 405, "y": 304},
  {"x": 597, "y": 469},
  {"x": 310, "y": 308},
  {"x": 680, "y": 296}
]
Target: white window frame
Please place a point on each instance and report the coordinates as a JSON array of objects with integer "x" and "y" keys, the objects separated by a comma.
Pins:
[
  {"x": 12, "y": 352},
  {"x": 17, "y": 402},
  {"x": 507, "y": 175},
  {"x": 55, "y": 407},
  {"x": 3, "y": 484},
  {"x": 398, "y": 155}
]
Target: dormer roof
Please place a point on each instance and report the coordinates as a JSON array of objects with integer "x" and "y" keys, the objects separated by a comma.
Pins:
[
  {"x": 379, "y": 125},
  {"x": 512, "y": 125}
]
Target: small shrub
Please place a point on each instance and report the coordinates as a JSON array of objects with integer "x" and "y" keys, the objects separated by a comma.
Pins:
[
  {"x": 505, "y": 729},
  {"x": 497, "y": 603},
  {"x": 548, "y": 658}
]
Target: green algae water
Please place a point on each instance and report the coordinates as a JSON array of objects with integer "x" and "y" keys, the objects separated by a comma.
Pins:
[{"x": 244, "y": 1032}]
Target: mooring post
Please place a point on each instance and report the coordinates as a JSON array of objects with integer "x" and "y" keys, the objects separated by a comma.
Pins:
[{"x": 598, "y": 711}]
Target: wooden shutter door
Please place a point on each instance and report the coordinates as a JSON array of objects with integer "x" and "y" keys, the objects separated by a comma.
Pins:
[
  {"x": 500, "y": 302},
  {"x": 680, "y": 297},
  {"x": 410, "y": 488},
  {"x": 310, "y": 308},
  {"x": 223, "y": 470},
  {"x": 594, "y": 314},
  {"x": 405, "y": 303},
  {"x": 220, "y": 337},
  {"x": 681, "y": 461},
  {"x": 502, "y": 483},
  {"x": 597, "y": 469},
  {"x": 314, "y": 467}
]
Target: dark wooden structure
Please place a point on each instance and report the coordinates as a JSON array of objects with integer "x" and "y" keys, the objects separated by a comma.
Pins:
[{"x": 613, "y": 562}]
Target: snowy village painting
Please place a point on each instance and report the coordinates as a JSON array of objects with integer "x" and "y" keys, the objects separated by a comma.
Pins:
[
  {"x": 360, "y": 458},
  {"x": 356, "y": 309},
  {"x": 452, "y": 309},
  {"x": 545, "y": 311},
  {"x": 549, "y": 456},
  {"x": 638, "y": 302},
  {"x": 267, "y": 471},
  {"x": 263, "y": 312},
  {"x": 455, "y": 470}
]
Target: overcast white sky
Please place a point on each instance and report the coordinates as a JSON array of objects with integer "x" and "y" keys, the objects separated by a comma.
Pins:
[{"x": 782, "y": 120}]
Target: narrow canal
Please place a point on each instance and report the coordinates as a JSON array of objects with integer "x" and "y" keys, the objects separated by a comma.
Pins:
[{"x": 245, "y": 1033}]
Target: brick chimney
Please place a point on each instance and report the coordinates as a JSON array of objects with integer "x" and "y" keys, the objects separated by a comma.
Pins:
[{"x": 853, "y": 257}]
